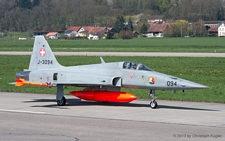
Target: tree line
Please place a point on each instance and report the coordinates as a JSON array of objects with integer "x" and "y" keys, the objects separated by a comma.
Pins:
[{"x": 34, "y": 15}]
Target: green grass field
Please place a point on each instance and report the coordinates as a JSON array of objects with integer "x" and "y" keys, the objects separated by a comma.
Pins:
[
  {"x": 207, "y": 71},
  {"x": 207, "y": 44}
]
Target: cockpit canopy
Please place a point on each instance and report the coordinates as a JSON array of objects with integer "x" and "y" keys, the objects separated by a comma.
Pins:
[{"x": 135, "y": 66}]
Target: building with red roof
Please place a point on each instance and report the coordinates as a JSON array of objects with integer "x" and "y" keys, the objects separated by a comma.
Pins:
[
  {"x": 213, "y": 31},
  {"x": 157, "y": 30},
  {"x": 75, "y": 28},
  {"x": 52, "y": 35}
]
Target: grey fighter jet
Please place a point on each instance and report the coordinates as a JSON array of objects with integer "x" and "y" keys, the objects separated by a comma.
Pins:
[{"x": 101, "y": 82}]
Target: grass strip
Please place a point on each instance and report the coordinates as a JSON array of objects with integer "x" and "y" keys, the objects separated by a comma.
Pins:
[{"x": 207, "y": 44}]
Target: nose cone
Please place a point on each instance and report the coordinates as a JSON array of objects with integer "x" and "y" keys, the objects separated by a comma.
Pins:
[{"x": 185, "y": 84}]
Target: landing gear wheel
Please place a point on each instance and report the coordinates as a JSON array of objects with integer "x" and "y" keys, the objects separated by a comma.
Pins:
[
  {"x": 153, "y": 104},
  {"x": 61, "y": 102}
]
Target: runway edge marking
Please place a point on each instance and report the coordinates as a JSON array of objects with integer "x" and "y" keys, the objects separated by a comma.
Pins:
[{"x": 21, "y": 111}]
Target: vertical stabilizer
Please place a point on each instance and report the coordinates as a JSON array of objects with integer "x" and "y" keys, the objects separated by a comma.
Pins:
[{"x": 42, "y": 56}]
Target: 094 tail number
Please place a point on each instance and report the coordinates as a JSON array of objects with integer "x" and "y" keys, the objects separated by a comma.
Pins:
[{"x": 171, "y": 83}]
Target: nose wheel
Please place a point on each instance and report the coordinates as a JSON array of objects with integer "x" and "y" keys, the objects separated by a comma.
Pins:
[{"x": 153, "y": 103}]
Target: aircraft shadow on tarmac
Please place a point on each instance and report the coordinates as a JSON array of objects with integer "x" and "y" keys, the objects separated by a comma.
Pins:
[{"x": 78, "y": 102}]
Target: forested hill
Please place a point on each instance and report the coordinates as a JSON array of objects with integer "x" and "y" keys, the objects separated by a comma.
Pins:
[{"x": 31, "y": 15}]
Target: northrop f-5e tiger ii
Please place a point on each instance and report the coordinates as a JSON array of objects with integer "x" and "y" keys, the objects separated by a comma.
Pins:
[{"x": 101, "y": 82}]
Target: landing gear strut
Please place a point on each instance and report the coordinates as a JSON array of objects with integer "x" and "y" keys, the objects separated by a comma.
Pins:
[
  {"x": 60, "y": 99},
  {"x": 153, "y": 103}
]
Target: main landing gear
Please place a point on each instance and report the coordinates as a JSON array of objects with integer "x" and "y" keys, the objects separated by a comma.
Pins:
[
  {"x": 60, "y": 99},
  {"x": 61, "y": 102},
  {"x": 153, "y": 103}
]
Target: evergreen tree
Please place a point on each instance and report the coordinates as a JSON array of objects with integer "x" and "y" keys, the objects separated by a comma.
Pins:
[
  {"x": 130, "y": 25},
  {"x": 119, "y": 24},
  {"x": 144, "y": 29},
  {"x": 109, "y": 35}
]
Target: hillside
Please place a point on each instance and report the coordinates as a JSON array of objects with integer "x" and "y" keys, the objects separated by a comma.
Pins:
[{"x": 32, "y": 15}]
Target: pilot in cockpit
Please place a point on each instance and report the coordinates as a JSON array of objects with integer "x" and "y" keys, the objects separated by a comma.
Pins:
[{"x": 134, "y": 65}]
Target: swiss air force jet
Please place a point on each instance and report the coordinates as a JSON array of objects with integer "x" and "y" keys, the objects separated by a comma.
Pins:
[{"x": 101, "y": 82}]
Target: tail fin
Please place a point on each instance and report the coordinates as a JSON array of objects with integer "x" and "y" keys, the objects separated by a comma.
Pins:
[{"x": 42, "y": 56}]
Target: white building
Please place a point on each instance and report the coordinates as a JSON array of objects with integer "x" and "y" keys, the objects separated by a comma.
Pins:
[
  {"x": 52, "y": 35},
  {"x": 70, "y": 33},
  {"x": 221, "y": 30},
  {"x": 93, "y": 37}
]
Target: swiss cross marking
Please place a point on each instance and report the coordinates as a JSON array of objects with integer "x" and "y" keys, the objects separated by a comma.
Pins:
[
  {"x": 42, "y": 52},
  {"x": 131, "y": 75}
]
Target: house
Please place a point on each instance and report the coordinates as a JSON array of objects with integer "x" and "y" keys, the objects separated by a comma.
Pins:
[
  {"x": 78, "y": 31},
  {"x": 209, "y": 24},
  {"x": 221, "y": 30},
  {"x": 213, "y": 31},
  {"x": 72, "y": 31},
  {"x": 52, "y": 35},
  {"x": 215, "y": 28},
  {"x": 100, "y": 32},
  {"x": 42, "y": 32},
  {"x": 93, "y": 37},
  {"x": 45, "y": 32},
  {"x": 157, "y": 30},
  {"x": 83, "y": 31},
  {"x": 86, "y": 28},
  {"x": 90, "y": 32}
]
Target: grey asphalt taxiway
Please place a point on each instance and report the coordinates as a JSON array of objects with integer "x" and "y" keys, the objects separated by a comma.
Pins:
[{"x": 37, "y": 117}]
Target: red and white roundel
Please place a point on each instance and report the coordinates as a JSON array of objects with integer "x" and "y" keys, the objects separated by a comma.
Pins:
[
  {"x": 152, "y": 80},
  {"x": 42, "y": 52}
]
